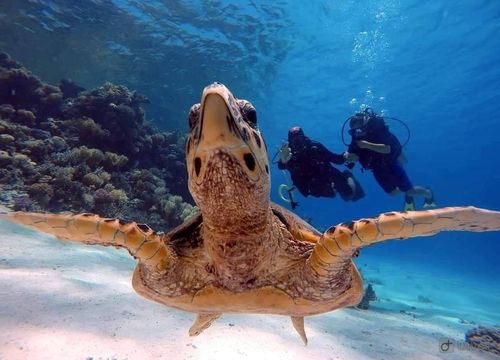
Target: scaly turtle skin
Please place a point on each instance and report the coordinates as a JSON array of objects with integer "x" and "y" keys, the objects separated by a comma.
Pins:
[{"x": 241, "y": 253}]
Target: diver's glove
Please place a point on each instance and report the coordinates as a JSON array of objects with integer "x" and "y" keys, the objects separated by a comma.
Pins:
[
  {"x": 332, "y": 184},
  {"x": 285, "y": 153},
  {"x": 350, "y": 159}
]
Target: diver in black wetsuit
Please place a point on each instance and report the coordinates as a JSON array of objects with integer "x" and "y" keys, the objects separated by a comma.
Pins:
[
  {"x": 378, "y": 150},
  {"x": 308, "y": 162}
]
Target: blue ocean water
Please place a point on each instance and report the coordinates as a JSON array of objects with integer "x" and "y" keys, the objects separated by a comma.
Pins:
[{"x": 433, "y": 64}]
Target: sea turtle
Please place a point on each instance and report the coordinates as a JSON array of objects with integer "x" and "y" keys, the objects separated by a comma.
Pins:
[{"x": 241, "y": 253}]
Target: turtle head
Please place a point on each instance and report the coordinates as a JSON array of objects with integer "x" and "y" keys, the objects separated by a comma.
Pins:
[{"x": 227, "y": 161}]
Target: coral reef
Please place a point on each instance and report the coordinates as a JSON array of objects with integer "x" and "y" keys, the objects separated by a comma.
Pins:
[
  {"x": 486, "y": 339},
  {"x": 66, "y": 148},
  {"x": 367, "y": 297},
  {"x": 23, "y": 91},
  {"x": 69, "y": 88}
]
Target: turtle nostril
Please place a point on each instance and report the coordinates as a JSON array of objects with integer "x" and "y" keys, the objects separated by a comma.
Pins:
[
  {"x": 257, "y": 139},
  {"x": 197, "y": 166},
  {"x": 249, "y": 161},
  {"x": 245, "y": 135}
]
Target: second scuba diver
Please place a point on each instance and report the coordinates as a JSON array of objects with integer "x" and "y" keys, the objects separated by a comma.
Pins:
[
  {"x": 309, "y": 164},
  {"x": 378, "y": 150}
]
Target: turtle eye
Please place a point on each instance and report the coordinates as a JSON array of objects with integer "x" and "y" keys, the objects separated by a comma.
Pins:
[
  {"x": 249, "y": 113},
  {"x": 194, "y": 116}
]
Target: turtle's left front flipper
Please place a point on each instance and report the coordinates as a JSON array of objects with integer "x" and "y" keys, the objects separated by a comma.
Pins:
[
  {"x": 340, "y": 242},
  {"x": 139, "y": 239}
]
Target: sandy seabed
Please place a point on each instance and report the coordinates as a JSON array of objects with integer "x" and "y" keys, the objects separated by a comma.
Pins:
[{"x": 67, "y": 301}]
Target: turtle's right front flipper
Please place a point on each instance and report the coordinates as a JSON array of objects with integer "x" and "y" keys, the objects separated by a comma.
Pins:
[{"x": 139, "y": 239}]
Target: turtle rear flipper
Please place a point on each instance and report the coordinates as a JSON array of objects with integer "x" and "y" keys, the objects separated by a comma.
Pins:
[
  {"x": 139, "y": 239},
  {"x": 203, "y": 322},
  {"x": 298, "y": 325},
  {"x": 340, "y": 242}
]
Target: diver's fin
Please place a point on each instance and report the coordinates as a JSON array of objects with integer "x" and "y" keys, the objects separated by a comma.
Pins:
[
  {"x": 340, "y": 242},
  {"x": 298, "y": 324},
  {"x": 203, "y": 322},
  {"x": 409, "y": 204},
  {"x": 430, "y": 203},
  {"x": 139, "y": 239}
]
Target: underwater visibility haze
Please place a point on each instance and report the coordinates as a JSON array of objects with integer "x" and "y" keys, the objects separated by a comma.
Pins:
[{"x": 110, "y": 139}]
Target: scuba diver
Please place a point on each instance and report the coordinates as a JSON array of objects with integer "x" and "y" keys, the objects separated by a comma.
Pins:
[
  {"x": 308, "y": 162},
  {"x": 380, "y": 151}
]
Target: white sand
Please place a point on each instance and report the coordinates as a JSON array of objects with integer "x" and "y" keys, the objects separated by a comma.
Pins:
[{"x": 65, "y": 301}]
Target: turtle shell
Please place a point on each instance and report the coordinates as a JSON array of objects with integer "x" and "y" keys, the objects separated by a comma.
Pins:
[{"x": 264, "y": 300}]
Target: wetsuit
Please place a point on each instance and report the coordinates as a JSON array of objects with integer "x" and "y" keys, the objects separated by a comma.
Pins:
[
  {"x": 313, "y": 174},
  {"x": 386, "y": 168}
]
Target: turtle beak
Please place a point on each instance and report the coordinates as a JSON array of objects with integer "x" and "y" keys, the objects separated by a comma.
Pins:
[
  {"x": 218, "y": 125},
  {"x": 222, "y": 135}
]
